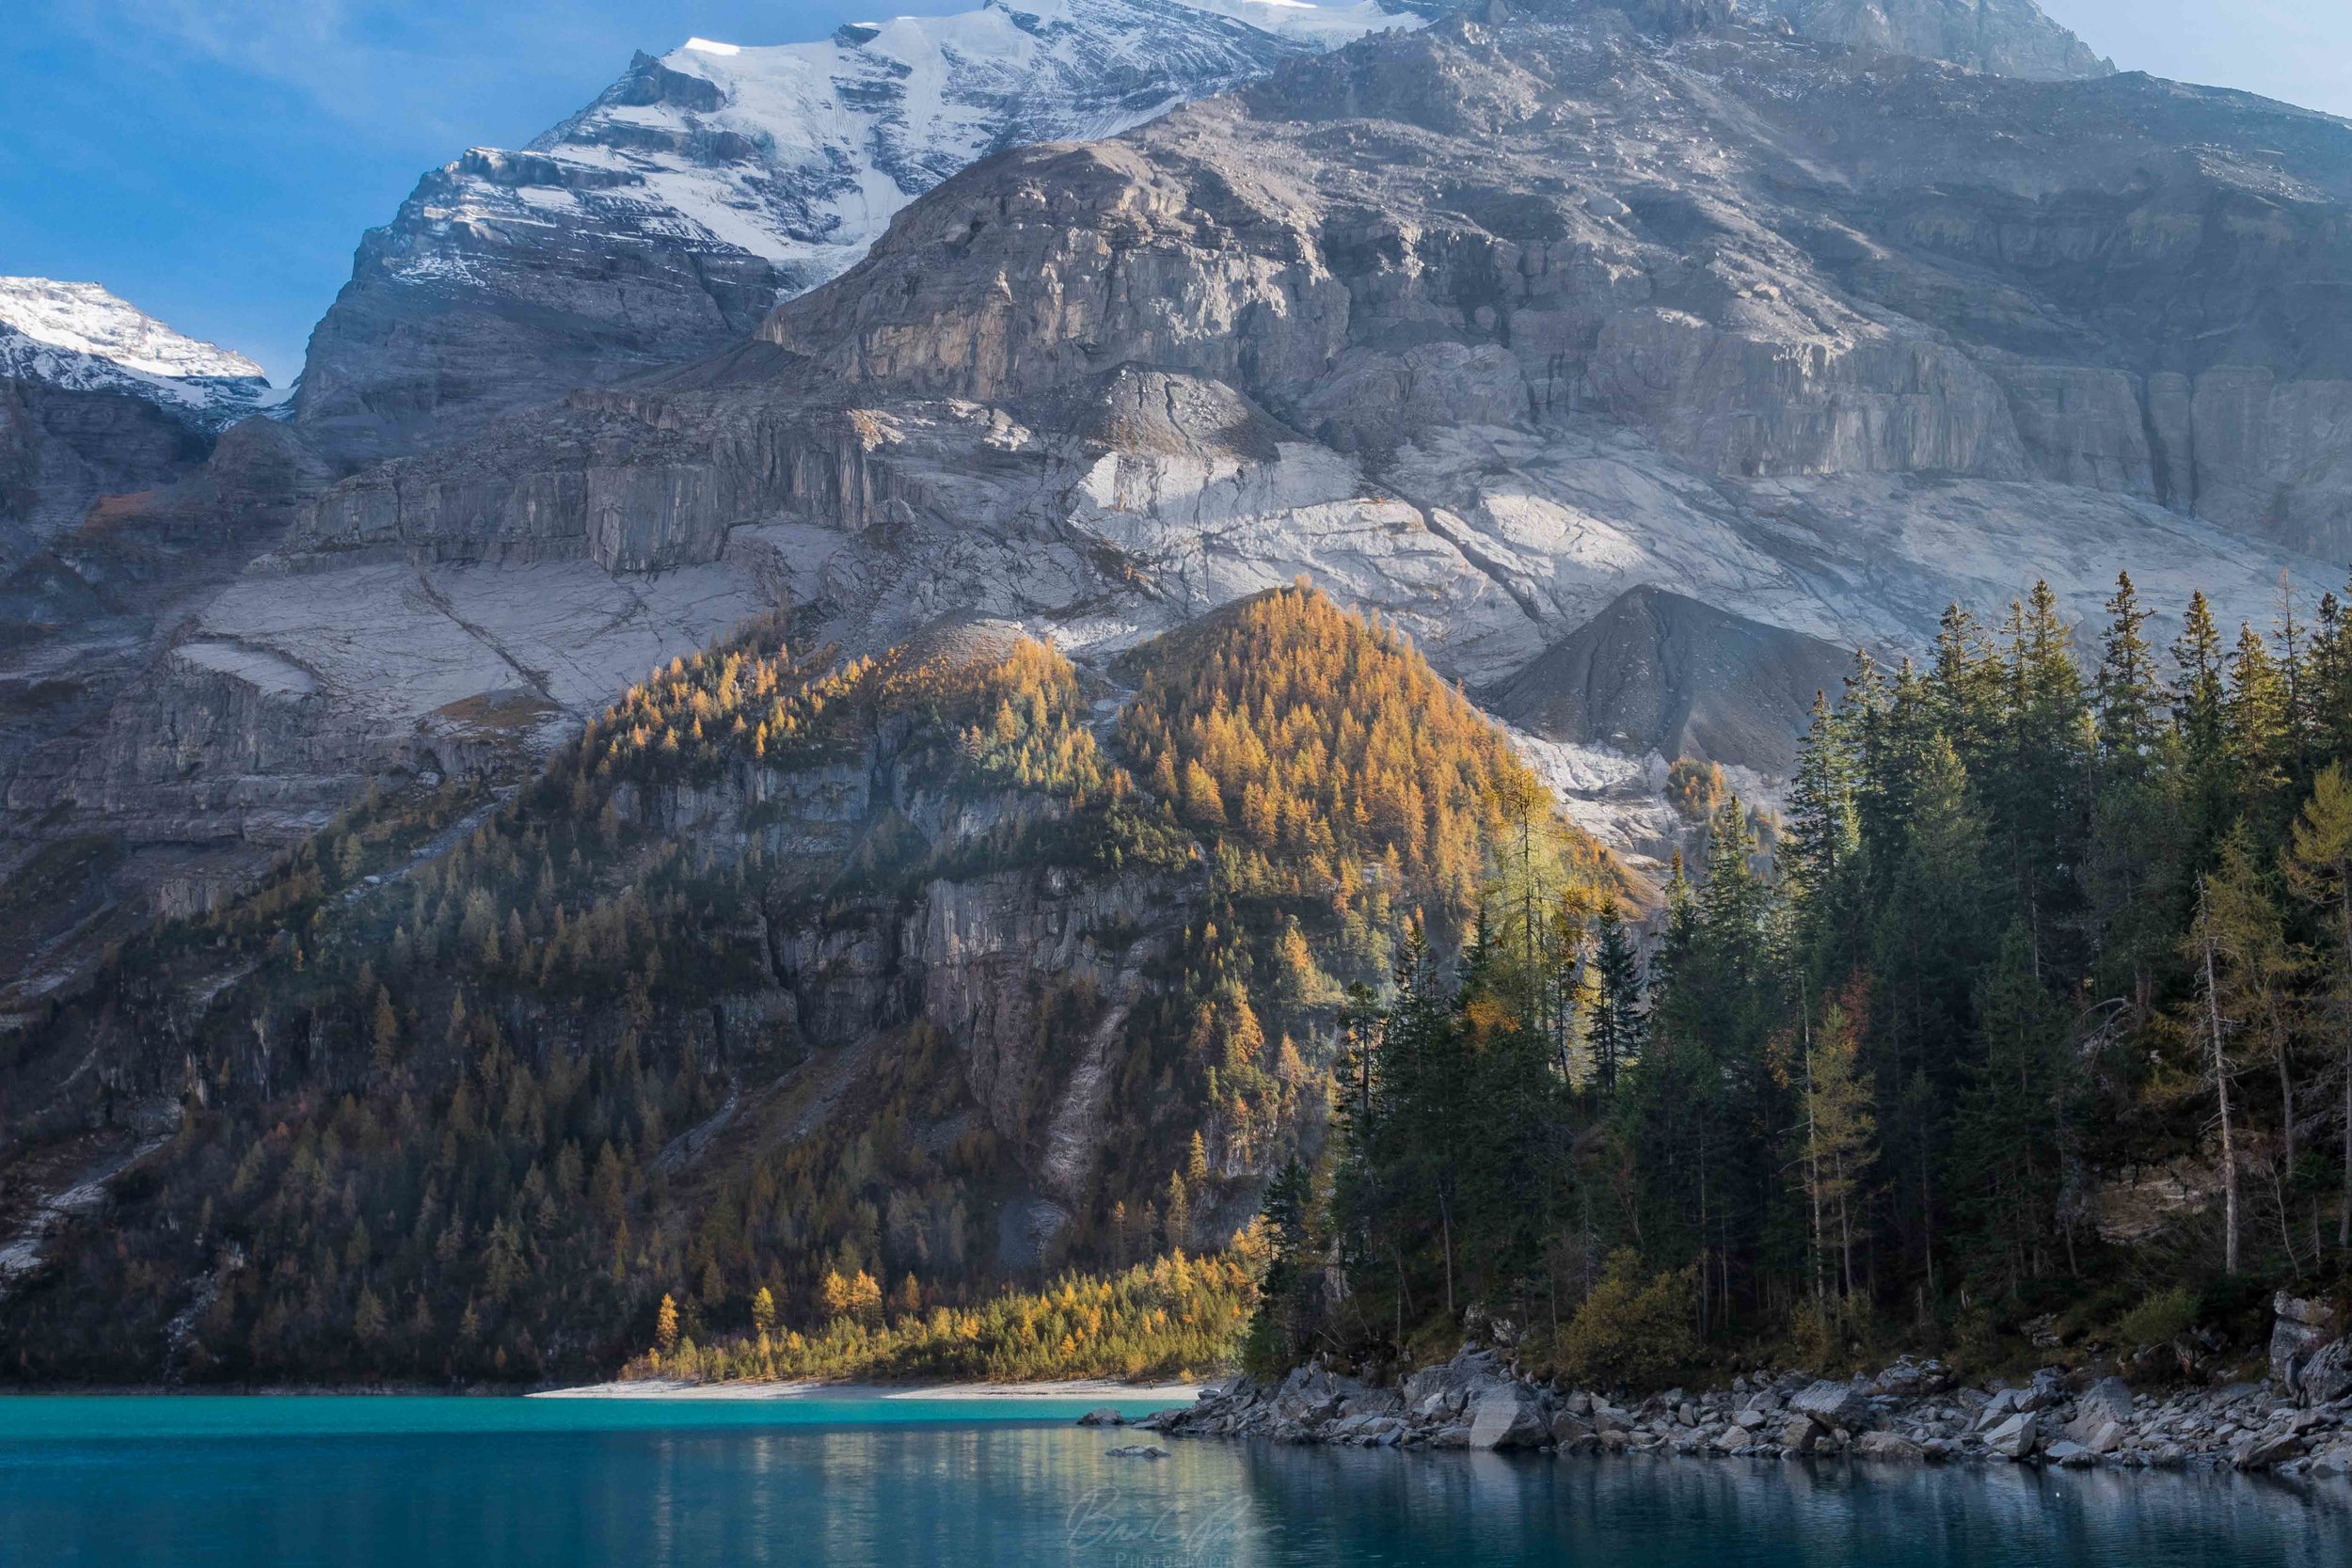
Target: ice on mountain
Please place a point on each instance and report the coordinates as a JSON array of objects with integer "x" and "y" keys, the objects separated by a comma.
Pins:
[{"x": 82, "y": 338}]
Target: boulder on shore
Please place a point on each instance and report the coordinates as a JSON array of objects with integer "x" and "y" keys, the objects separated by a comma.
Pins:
[
  {"x": 2016, "y": 1437},
  {"x": 2105, "y": 1405},
  {"x": 1887, "y": 1444},
  {"x": 1834, "y": 1404},
  {"x": 2304, "y": 1326},
  {"x": 1508, "y": 1417}
]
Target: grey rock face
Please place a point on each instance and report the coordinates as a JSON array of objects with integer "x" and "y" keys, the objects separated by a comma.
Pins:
[
  {"x": 2010, "y": 38},
  {"x": 2327, "y": 1377},
  {"x": 1252, "y": 249},
  {"x": 1657, "y": 671},
  {"x": 61, "y": 449},
  {"x": 661, "y": 223}
]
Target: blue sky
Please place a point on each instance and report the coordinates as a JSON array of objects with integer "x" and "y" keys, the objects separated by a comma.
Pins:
[{"x": 215, "y": 161}]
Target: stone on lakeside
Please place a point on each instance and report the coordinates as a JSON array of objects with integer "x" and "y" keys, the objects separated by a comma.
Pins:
[
  {"x": 1837, "y": 1405},
  {"x": 2016, "y": 1436},
  {"x": 1887, "y": 1444}
]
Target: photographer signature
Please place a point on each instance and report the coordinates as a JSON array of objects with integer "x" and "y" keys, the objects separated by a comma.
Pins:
[{"x": 1097, "y": 1520}]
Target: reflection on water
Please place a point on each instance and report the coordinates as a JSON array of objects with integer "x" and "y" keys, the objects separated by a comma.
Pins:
[{"x": 714, "y": 1490}]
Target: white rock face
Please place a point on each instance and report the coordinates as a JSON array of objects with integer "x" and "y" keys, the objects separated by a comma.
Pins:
[{"x": 82, "y": 337}]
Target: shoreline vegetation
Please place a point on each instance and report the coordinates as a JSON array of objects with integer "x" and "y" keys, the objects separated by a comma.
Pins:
[
  {"x": 1168, "y": 1319},
  {"x": 817, "y": 1388}
]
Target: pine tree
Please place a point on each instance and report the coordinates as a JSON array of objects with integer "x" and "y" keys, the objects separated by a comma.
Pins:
[
  {"x": 1824, "y": 830},
  {"x": 2038, "y": 785},
  {"x": 2256, "y": 720},
  {"x": 2007, "y": 1141},
  {"x": 1616, "y": 1028},
  {"x": 2329, "y": 680},
  {"x": 367, "y": 1321},
  {"x": 2291, "y": 638},
  {"x": 1930, "y": 940},
  {"x": 384, "y": 1031},
  {"x": 2201, "y": 720},
  {"x": 1839, "y": 1129},
  {"x": 1964, "y": 688},
  {"x": 2318, "y": 867},
  {"x": 1277, "y": 1330},
  {"x": 2130, "y": 695},
  {"x": 2206, "y": 947},
  {"x": 1178, "y": 1214}
]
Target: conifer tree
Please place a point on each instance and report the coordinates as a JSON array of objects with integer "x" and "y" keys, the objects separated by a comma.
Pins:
[
  {"x": 2005, "y": 1146},
  {"x": 1839, "y": 1131},
  {"x": 1824, "y": 830},
  {"x": 1964, "y": 687},
  {"x": 2130, "y": 693},
  {"x": 2206, "y": 947},
  {"x": 2318, "y": 867},
  {"x": 1615, "y": 1035},
  {"x": 2201, "y": 718}
]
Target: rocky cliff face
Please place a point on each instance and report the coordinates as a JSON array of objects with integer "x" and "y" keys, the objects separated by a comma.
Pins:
[
  {"x": 1480, "y": 326},
  {"x": 1490, "y": 324},
  {"x": 2008, "y": 37},
  {"x": 61, "y": 449},
  {"x": 661, "y": 223},
  {"x": 1659, "y": 672}
]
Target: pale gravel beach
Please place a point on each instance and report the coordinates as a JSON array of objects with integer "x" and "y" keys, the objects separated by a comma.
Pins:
[{"x": 661, "y": 1389}]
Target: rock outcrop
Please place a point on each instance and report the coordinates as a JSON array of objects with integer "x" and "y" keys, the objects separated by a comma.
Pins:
[
  {"x": 61, "y": 449},
  {"x": 1657, "y": 671},
  {"x": 2010, "y": 38}
]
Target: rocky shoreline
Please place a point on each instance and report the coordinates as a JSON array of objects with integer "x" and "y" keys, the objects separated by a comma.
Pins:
[{"x": 2298, "y": 1421}]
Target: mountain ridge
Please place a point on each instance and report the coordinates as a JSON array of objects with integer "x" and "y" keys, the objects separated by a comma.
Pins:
[
  {"x": 82, "y": 337},
  {"x": 664, "y": 219}
]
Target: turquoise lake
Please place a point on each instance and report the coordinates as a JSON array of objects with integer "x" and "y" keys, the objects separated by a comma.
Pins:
[{"x": 455, "y": 1482}]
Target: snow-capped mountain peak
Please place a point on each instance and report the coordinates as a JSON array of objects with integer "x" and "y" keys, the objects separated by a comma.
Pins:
[
  {"x": 665, "y": 220},
  {"x": 83, "y": 338}
]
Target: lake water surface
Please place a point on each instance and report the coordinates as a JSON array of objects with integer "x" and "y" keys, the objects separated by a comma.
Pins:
[{"x": 404, "y": 1482}]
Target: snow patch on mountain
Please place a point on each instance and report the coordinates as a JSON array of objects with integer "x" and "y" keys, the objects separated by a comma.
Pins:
[
  {"x": 801, "y": 153},
  {"x": 81, "y": 337}
]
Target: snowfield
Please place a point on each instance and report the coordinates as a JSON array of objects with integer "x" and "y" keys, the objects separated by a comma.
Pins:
[{"x": 80, "y": 337}]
